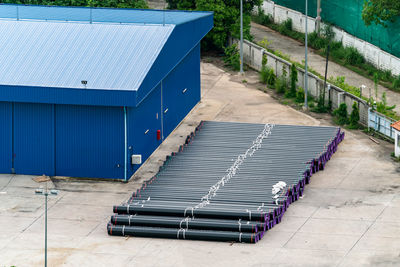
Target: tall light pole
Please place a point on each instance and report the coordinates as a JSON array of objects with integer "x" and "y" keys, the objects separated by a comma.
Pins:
[
  {"x": 241, "y": 36},
  {"x": 319, "y": 17},
  {"x": 305, "y": 61},
  {"x": 45, "y": 193}
]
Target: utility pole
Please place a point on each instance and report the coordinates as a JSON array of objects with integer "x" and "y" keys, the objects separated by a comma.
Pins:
[
  {"x": 45, "y": 193},
  {"x": 326, "y": 72},
  {"x": 319, "y": 17},
  {"x": 241, "y": 36},
  {"x": 305, "y": 61}
]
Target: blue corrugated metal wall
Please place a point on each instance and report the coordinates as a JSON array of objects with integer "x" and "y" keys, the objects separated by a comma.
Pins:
[
  {"x": 146, "y": 119},
  {"x": 34, "y": 139},
  {"x": 143, "y": 123},
  {"x": 5, "y": 137},
  {"x": 181, "y": 42},
  {"x": 89, "y": 141},
  {"x": 181, "y": 90}
]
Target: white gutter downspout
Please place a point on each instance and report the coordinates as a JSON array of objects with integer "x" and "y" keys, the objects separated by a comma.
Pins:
[{"x": 126, "y": 147}]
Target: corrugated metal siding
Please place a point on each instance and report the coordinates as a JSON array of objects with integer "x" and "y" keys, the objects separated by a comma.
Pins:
[
  {"x": 5, "y": 137},
  {"x": 181, "y": 90},
  {"x": 34, "y": 139},
  {"x": 179, "y": 44},
  {"x": 89, "y": 141},
  {"x": 143, "y": 123},
  {"x": 146, "y": 16},
  {"x": 67, "y": 96},
  {"x": 55, "y": 54},
  {"x": 147, "y": 116}
]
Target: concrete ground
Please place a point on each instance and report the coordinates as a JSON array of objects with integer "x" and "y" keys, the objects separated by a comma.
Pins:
[
  {"x": 349, "y": 216},
  {"x": 295, "y": 50}
]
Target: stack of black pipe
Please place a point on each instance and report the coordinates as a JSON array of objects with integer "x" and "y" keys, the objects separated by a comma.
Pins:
[{"x": 172, "y": 203}]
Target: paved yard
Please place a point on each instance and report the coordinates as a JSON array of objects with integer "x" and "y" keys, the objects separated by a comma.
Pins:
[{"x": 349, "y": 216}]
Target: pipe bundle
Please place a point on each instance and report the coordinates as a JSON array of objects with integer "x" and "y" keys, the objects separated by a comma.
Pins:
[{"x": 228, "y": 182}]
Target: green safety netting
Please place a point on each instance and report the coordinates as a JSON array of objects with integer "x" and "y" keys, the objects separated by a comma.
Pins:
[{"x": 346, "y": 14}]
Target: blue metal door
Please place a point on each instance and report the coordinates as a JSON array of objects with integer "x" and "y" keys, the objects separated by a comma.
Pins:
[
  {"x": 34, "y": 139},
  {"x": 5, "y": 137},
  {"x": 90, "y": 141}
]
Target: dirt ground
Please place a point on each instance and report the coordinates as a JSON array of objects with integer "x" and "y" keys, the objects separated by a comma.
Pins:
[{"x": 349, "y": 215}]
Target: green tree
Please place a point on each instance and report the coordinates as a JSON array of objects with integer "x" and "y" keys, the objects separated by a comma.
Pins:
[
  {"x": 181, "y": 4},
  {"x": 354, "y": 116},
  {"x": 380, "y": 11},
  {"x": 226, "y": 19},
  {"x": 341, "y": 114}
]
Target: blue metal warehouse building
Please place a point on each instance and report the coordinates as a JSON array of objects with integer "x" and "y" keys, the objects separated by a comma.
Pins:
[{"x": 85, "y": 92}]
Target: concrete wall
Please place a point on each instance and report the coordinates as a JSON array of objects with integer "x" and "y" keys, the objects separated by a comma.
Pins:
[
  {"x": 372, "y": 53},
  {"x": 253, "y": 54}
]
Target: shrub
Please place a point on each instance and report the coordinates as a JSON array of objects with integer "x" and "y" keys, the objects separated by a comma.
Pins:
[
  {"x": 264, "y": 74},
  {"x": 353, "y": 57},
  {"x": 316, "y": 41},
  {"x": 267, "y": 76},
  {"x": 382, "y": 106},
  {"x": 264, "y": 43},
  {"x": 293, "y": 81},
  {"x": 300, "y": 96},
  {"x": 264, "y": 60},
  {"x": 354, "y": 116},
  {"x": 387, "y": 75},
  {"x": 337, "y": 50},
  {"x": 262, "y": 18},
  {"x": 328, "y": 32},
  {"x": 396, "y": 83},
  {"x": 340, "y": 82},
  {"x": 232, "y": 57},
  {"x": 281, "y": 85},
  {"x": 271, "y": 78},
  {"x": 286, "y": 27},
  {"x": 341, "y": 114},
  {"x": 320, "y": 109}
]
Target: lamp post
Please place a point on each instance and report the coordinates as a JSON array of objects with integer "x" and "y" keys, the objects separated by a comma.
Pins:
[
  {"x": 305, "y": 61},
  {"x": 45, "y": 192},
  {"x": 319, "y": 17},
  {"x": 241, "y": 36}
]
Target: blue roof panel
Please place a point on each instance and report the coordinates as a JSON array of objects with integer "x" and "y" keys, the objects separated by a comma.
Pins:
[
  {"x": 123, "y": 54},
  {"x": 61, "y": 54},
  {"x": 115, "y": 15}
]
